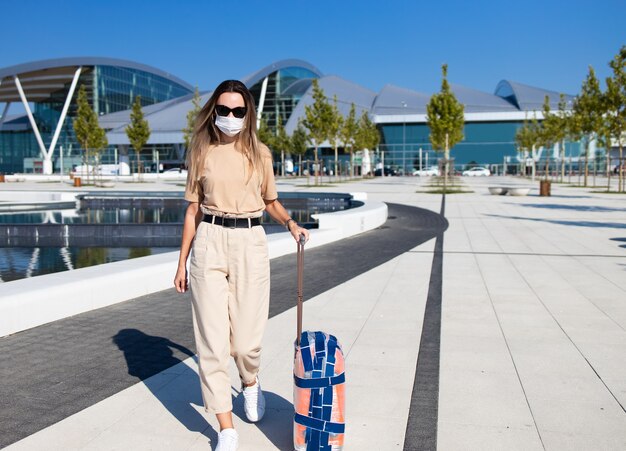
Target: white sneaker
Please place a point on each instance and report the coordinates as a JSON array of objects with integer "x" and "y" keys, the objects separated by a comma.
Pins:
[
  {"x": 254, "y": 402},
  {"x": 227, "y": 440}
]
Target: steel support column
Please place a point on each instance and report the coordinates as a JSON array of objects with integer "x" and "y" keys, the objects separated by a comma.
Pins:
[
  {"x": 261, "y": 102},
  {"x": 68, "y": 100}
]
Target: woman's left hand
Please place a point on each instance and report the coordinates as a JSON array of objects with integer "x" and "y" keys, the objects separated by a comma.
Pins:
[{"x": 296, "y": 231}]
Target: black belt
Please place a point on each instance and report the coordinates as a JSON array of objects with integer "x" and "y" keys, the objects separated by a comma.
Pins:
[{"x": 232, "y": 223}]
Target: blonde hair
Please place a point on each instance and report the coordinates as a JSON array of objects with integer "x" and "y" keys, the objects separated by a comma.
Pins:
[{"x": 206, "y": 134}]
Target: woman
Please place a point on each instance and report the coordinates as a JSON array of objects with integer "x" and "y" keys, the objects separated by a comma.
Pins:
[{"x": 229, "y": 184}]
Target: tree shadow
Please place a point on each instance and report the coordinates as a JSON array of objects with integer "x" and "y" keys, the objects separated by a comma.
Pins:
[
  {"x": 594, "y": 224},
  {"x": 620, "y": 240},
  {"x": 574, "y": 207},
  {"x": 177, "y": 387}
]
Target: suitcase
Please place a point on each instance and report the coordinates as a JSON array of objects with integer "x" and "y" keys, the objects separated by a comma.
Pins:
[{"x": 319, "y": 384}]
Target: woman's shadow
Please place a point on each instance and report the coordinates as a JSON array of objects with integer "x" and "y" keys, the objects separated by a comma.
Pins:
[{"x": 148, "y": 355}]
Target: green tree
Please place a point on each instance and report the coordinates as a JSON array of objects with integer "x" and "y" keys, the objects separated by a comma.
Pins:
[
  {"x": 587, "y": 115},
  {"x": 91, "y": 137},
  {"x": 549, "y": 132},
  {"x": 367, "y": 136},
  {"x": 615, "y": 105},
  {"x": 316, "y": 119},
  {"x": 298, "y": 145},
  {"x": 527, "y": 138},
  {"x": 282, "y": 143},
  {"x": 445, "y": 119},
  {"x": 347, "y": 135},
  {"x": 266, "y": 135},
  {"x": 563, "y": 131},
  {"x": 192, "y": 114},
  {"x": 334, "y": 130},
  {"x": 138, "y": 131}
]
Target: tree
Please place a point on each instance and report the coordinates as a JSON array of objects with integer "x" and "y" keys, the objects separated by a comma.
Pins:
[
  {"x": 615, "y": 105},
  {"x": 563, "y": 132},
  {"x": 367, "y": 136},
  {"x": 445, "y": 119},
  {"x": 334, "y": 129},
  {"x": 550, "y": 132},
  {"x": 348, "y": 133},
  {"x": 527, "y": 137},
  {"x": 297, "y": 144},
  {"x": 316, "y": 119},
  {"x": 88, "y": 132},
  {"x": 587, "y": 114},
  {"x": 138, "y": 131},
  {"x": 265, "y": 134},
  {"x": 192, "y": 114},
  {"x": 282, "y": 143}
]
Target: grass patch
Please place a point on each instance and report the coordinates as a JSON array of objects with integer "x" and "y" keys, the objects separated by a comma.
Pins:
[
  {"x": 608, "y": 192},
  {"x": 321, "y": 185}
]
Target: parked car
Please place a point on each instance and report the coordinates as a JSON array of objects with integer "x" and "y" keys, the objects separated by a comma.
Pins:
[
  {"x": 388, "y": 171},
  {"x": 175, "y": 171},
  {"x": 477, "y": 172},
  {"x": 431, "y": 170}
]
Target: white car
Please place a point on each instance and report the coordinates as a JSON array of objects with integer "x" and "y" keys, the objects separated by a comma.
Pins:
[
  {"x": 432, "y": 170},
  {"x": 477, "y": 172}
]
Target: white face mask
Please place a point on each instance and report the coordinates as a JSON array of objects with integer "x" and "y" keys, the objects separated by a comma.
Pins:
[{"x": 230, "y": 126}]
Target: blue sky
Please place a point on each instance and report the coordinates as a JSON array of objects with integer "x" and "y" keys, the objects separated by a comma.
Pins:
[{"x": 546, "y": 43}]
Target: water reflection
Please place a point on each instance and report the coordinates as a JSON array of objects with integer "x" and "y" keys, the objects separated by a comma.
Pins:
[
  {"x": 22, "y": 262},
  {"x": 114, "y": 228}
]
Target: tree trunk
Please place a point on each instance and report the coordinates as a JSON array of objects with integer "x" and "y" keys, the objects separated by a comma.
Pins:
[
  {"x": 532, "y": 168},
  {"x": 336, "y": 158},
  {"x": 317, "y": 168},
  {"x": 563, "y": 161},
  {"x": 620, "y": 172},
  {"x": 351, "y": 163},
  {"x": 608, "y": 167},
  {"x": 300, "y": 165},
  {"x": 586, "y": 174},
  {"x": 445, "y": 174}
]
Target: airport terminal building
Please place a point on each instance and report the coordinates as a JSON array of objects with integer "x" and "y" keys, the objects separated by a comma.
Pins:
[{"x": 29, "y": 142}]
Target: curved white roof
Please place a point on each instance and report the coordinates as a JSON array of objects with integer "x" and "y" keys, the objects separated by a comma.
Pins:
[
  {"x": 347, "y": 93},
  {"x": 259, "y": 75},
  {"x": 394, "y": 100},
  {"x": 40, "y": 78},
  {"x": 528, "y": 98}
]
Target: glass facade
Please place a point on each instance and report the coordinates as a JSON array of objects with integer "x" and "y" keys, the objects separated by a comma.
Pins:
[
  {"x": 109, "y": 89},
  {"x": 484, "y": 143},
  {"x": 285, "y": 88}
]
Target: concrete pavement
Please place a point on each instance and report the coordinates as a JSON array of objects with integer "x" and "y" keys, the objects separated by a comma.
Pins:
[{"x": 532, "y": 345}]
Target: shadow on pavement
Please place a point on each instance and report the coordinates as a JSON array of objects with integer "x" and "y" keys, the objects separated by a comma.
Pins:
[
  {"x": 574, "y": 207},
  {"x": 607, "y": 225},
  {"x": 147, "y": 355}
]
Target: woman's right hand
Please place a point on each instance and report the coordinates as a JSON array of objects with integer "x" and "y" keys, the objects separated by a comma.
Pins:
[{"x": 181, "y": 282}]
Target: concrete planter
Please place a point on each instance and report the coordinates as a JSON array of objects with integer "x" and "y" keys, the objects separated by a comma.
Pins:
[
  {"x": 497, "y": 190},
  {"x": 519, "y": 191}
]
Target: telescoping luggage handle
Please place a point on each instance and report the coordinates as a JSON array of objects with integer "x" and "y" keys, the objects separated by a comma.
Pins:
[{"x": 300, "y": 281}]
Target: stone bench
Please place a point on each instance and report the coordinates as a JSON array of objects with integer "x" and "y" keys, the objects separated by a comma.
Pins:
[{"x": 511, "y": 191}]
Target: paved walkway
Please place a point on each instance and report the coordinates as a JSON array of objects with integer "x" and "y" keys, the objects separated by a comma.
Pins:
[{"x": 530, "y": 356}]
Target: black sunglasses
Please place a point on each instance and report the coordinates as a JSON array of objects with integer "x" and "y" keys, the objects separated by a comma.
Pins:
[{"x": 239, "y": 112}]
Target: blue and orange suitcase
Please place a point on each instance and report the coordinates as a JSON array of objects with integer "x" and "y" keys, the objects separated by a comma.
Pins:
[{"x": 319, "y": 385}]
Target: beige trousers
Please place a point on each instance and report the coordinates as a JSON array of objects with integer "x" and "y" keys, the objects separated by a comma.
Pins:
[{"x": 230, "y": 287}]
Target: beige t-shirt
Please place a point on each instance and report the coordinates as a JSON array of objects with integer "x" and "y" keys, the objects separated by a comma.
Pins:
[{"x": 222, "y": 189}]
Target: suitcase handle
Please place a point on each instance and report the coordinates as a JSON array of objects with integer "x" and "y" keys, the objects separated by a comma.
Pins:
[{"x": 300, "y": 258}]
